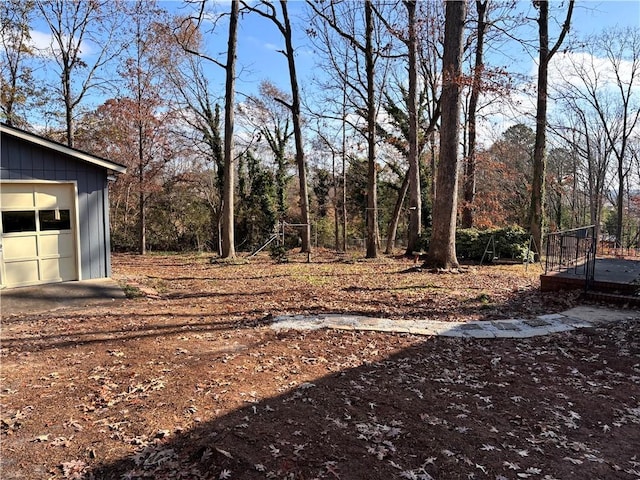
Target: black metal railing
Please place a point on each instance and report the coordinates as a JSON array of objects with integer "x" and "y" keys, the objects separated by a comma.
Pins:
[
  {"x": 572, "y": 251},
  {"x": 628, "y": 245}
]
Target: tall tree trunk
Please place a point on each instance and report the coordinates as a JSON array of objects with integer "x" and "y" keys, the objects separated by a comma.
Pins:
[
  {"x": 297, "y": 131},
  {"x": 536, "y": 211},
  {"x": 415, "y": 198},
  {"x": 142, "y": 234},
  {"x": 372, "y": 173},
  {"x": 228, "y": 245},
  {"x": 142, "y": 226},
  {"x": 476, "y": 88},
  {"x": 68, "y": 106},
  {"x": 442, "y": 247},
  {"x": 539, "y": 153},
  {"x": 336, "y": 213},
  {"x": 70, "y": 126},
  {"x": 395, "y": 218},
  {"x": 344, "y": 166},
  {"x": 620, "y": 203}
]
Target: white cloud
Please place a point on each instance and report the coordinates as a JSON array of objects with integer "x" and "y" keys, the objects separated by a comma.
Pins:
[
  {"x": 579, "y": 67},
  {"x": 44, "y": 43},
  {"x": 40, "y": 40},
  {"x": 272, "y": 46},
  {"x": 503, "y": 111},
  {"x": 573, "y": 68}
]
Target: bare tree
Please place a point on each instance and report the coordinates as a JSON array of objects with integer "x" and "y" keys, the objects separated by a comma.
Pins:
[
  {"x": 621, "y": 50},
  {"x": 72, "y": 26},
  {"x": 228, "y": 244},
  {"x": 600, "y": 88},
  {"x": 586, "y": 137},
  {"x": 17, "y": 87},
  {"x": 415, "y": 198},
  {"x": 270, "y": 115},
  {"x": 135, "y": 126},
  {"x": 420, "y": 36},
  {"x": 536, "y": 212},
  {"x": 469, "y": 189},
  {"x": 442, "y": 246},
  {"x": 323, "y": 144},
  {"x": 267, "y": 10},
  {"x": 147, "y": 57},
  {"x": 202, "y": 114},
  {"x": 188, "y": 37},
  {"x": 340, "y": 17}
]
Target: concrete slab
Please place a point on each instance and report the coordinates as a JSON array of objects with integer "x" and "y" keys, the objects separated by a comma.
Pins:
[
  {"x": 470, "y": 326},
  {"x": 423, "y": 331},
  {"x": 576, "y": 322},
  {"x": 579, "y": 317},
  {"x": 536, "y": 322},
  {"x": 482, "y": 333},
  {"x": 452, "y": 332},
  {"x": 505, "y": 325},
  {"x": 526, "y": 333},
  {"x": 595, "y": 315},
  {"x": 559, "y": 327},
  {"x": 53, "y": 296},
  {"x": 551, "y": 317},
  {"x": 508, "y": 333}
]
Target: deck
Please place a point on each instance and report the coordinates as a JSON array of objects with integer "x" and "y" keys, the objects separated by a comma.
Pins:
[{"x": 612, "y": 275}]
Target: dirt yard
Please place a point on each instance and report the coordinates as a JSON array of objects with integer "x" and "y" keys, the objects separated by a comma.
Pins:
[{"x": 188, "y": 381}]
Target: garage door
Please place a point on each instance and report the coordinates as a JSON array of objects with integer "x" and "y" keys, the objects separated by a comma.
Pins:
[{"x": 38, "y": 233}]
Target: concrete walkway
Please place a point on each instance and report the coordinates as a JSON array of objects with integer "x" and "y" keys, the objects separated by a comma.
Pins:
[
  {"x": 53, "y": 296},
  {"x": 579, "y": 317}
]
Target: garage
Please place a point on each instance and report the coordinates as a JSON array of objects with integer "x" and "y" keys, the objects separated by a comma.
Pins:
[
  {"x": 54, "y": 222},
  {"x": 38, "y": 233}
]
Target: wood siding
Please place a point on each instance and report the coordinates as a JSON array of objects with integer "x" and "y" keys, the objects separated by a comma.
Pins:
[{"x": 22, "y": 160}]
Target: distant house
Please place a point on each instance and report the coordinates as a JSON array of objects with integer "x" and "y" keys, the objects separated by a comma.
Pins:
[{"x": 54, "y": 206}]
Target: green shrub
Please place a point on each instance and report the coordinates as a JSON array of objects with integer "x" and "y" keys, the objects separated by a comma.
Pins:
[
  {"x": 510, "y": 242},
  {"x": 278, "y": 252}
]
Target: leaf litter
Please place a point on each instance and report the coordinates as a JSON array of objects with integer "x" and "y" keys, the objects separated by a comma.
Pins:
[{"x": 192, "y": 383}]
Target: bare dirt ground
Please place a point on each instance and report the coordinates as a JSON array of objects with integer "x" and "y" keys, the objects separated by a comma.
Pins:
[{"x": 188, "y": 381}]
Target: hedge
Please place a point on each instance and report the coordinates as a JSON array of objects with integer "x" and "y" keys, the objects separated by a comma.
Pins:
[{"x": 510, "y": 242}]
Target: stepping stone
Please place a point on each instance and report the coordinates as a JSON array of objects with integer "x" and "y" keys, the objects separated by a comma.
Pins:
[
  {"x": 536, "y": 322},
  {"x": 576, "y": 322},
  {"x": 481, "y": 333},
  {"x": 527, "y": 333},
  {"x": 552, "y": 316},
  {"x": 470, "y": 326},
  {"x": 559, "y": 327},
  {"x": 452, "y": 332},
  {"x": 506, "y": 325}
]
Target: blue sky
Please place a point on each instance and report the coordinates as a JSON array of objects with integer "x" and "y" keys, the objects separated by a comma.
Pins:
[
  {"x": 593, "y": 16},
  {"x": 258, "y": 41}
]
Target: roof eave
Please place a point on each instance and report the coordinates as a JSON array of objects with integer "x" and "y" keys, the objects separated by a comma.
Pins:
[{"x": 72, "y": 152}]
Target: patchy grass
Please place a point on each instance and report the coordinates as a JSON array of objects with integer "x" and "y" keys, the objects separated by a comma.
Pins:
[{"x": 131, "y": 291}]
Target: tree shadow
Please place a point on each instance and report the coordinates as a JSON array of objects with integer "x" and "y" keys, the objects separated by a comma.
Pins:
[
  {"x": 441, "y": 408},
  {"x": 167, "y": 318}
]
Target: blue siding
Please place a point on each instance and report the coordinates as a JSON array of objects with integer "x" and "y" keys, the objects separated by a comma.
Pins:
[{"x": 22, "y": 160}]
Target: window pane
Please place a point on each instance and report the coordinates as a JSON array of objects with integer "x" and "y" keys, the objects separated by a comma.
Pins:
[
  {"x": 23, "y": 221},
  {"x": 48, "y": 220}
]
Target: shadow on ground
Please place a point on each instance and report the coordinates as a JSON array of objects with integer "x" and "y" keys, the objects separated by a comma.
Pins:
[
  {"x": 52, "y": 296},
  {"x": 560, "y": 406},
  {"x": 192, "y": 383}
]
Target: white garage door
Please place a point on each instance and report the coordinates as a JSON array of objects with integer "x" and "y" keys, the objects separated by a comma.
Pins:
[{"x": 38, "y": 233}]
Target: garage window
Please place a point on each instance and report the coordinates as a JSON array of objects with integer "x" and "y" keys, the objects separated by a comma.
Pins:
[
  {"x": 54, "y": 220},
  {"x": 19, "y": 221}
]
